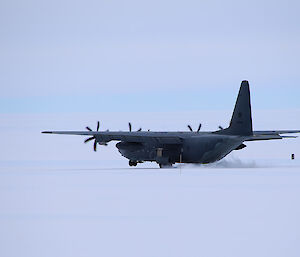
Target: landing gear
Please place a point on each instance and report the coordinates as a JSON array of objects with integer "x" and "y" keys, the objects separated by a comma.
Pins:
[
  {"x": 165, "y": 166},
  {"x": 132, "y": 163}
]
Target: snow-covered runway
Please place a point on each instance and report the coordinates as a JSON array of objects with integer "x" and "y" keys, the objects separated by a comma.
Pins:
[{"x": 75, "y": 209}]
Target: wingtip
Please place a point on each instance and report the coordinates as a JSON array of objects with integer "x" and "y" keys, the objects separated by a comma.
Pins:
[{"x": 46, "y": 132}]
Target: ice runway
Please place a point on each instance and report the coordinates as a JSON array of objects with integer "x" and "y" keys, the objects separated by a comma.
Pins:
[{"x": 87, "y": 209}]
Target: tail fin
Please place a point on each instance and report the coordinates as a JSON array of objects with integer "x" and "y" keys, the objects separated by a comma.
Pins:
[{"x": 241, "y": 121}]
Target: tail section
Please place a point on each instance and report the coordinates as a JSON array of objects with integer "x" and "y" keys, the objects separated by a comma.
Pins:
[{"x": 241, "y": 121}]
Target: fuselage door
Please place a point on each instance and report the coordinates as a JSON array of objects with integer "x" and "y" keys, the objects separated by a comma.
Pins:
[{"x": 159, "y": 152}]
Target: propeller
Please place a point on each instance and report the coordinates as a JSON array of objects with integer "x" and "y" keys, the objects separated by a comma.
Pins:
[
  {"x": 199, "y": 127},
  {"x": 130, "y": 127},
  {"x": 93, "y": 137}
]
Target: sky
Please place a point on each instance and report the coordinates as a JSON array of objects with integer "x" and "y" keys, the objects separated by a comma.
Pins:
[
  {"x": 159, "y": 64},
  {"x": 83, "y": 56}
]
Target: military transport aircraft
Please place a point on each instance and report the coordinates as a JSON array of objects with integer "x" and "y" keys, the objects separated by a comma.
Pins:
[{"x": 167, "y": 148}]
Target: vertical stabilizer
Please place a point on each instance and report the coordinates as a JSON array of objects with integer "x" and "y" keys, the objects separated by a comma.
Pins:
[{"x": 241, "y": 121}]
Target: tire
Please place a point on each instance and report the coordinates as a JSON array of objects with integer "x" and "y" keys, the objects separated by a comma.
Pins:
[
  {"x": 165, "y": 166},
  {"x": 132, "y": 163}
]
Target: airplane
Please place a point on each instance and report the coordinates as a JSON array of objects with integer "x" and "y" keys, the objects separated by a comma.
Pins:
[{"x": 168, "y": 148}]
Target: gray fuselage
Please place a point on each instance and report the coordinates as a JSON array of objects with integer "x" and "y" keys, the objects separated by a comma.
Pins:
[{"x": 194, "y": 148}]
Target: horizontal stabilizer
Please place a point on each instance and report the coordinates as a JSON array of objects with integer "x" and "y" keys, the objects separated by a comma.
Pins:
[
  {"x": 275, "y": 132},
  {"x": 267, "y": 137},
  {"x": 263, "y": 137}
]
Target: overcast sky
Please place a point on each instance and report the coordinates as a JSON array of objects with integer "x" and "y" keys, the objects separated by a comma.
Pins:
[{"x": 147, "y": 55}]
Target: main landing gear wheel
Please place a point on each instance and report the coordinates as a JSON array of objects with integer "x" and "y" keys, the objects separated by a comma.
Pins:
[
  {"x": 132, "y": 163},
  {"x": 166, "y": 166}
]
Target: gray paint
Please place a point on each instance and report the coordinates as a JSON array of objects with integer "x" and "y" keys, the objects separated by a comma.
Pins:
[{"x": 167, "y": 148}]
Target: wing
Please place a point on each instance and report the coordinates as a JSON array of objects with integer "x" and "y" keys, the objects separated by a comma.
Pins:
[{"x": 107, "y": 136}]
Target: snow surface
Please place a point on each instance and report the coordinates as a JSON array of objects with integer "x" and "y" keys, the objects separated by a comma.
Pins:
[{"x": 77, "y": 209}]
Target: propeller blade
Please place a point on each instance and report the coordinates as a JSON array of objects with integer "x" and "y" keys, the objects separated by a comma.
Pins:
[
  {"x": 190, "y": 128},
  {"x": 199, "y": 128},
  {"x": 220, "y": 127},
  {"x": 98, "y": 125},
  {"x": 88, "y": 128},
  {"x": 95, "y": 145},
  {"x": 89, "y": 139},
  {"x": 129, "y": 125}
]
